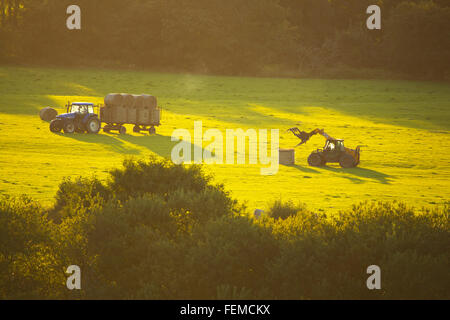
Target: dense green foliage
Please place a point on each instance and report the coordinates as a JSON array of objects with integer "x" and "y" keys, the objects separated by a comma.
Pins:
[
  {"x": 258, "y": 37},
  {"x": 156, "y": 231}
]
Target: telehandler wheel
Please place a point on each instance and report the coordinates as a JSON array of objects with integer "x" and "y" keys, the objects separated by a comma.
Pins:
[
  {"x": 152, "y": 130},
  {"x": 56, "y": 126},
  {"x": 136, "y": 129},
  {"x": 315, "y": 160},
  {"x": 93, "y": 126},
  {"x": 69, "y": 127},
  {"x": 347, "y": 161},
  {"x": 122, "y": 130}
]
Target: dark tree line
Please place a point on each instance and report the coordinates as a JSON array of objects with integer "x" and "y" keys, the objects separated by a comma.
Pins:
[{"x": 325, "y": 38}]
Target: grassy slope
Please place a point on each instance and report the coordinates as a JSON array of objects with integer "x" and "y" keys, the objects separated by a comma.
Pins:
[{"x": 405, "y": 125}]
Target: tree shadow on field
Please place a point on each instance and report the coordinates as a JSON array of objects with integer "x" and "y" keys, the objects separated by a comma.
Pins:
[{"x": 358, "y": 173}]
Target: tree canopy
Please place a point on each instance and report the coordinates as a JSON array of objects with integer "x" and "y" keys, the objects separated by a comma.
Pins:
[{"x": 254, "y": 37}]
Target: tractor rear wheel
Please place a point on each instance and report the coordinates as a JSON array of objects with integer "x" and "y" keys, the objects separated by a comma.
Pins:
[
  {"x": 93, "y": 126},
  {"x": 347, "y": 161},
  {"x": 69, "y": 127},
  {"x": 315, "y": 160},
  {"x": 56, "y": 125}
]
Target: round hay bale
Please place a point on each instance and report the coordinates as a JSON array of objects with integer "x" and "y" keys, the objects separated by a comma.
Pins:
[
  {"x": 287, "y": 157},
  {"x": 138, "y": 101},
  {"x": 48, "y": 114},
  {"x": 149, "y": 101},
  {"x": 114, "y": 99},
  {"x": 127, "y": 100}
]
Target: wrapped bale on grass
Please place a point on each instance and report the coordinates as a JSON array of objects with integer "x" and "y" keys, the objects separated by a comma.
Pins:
[
  {"x": 48, "y": 114},
  {"x": 287, "y": 157}
]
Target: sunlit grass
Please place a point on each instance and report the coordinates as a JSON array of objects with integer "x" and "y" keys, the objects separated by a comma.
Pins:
[{"x": 405, "y": 126}]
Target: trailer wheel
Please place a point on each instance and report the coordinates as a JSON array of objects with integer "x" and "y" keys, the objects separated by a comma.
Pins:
[
  {"x": 136, "y": 129},
  {"x": 93, "y": 125},
  {"x": 122, "y": 130},
  {"x": 152, "y": 130},
  {"x": 69, "y": 127}
]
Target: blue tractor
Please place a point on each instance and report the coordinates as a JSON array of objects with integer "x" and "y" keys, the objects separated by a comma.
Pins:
[{"x": 80, "y": 117}]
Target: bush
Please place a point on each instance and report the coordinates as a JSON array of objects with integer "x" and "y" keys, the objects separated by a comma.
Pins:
[
  {"x": 180, "y": 237},
  {"x": 28, "y": 263},
  {"x": 326, "y": 258},
  {"x": 280, "y": 210}
]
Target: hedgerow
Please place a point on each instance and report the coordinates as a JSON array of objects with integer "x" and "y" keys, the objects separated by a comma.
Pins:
[{"x": 156, "y": 230}]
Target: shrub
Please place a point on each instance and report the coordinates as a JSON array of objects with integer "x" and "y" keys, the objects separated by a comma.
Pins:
[
  {"x": 28, "y": 263},
  {"x": 280, "y": 210},
  {"x": 180, "y": 237}
]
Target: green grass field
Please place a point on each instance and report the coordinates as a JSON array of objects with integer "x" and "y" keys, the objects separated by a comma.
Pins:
[{"x": 405, "y": 126}]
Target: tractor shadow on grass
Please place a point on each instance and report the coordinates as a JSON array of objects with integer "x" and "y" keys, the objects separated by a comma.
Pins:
[
  {"x": 355, "y": 174},
  {"x": 109, "y": 141},
  {"x": 159, "y": 144},
  {"x": 126, "y": 144},
  {"x": 301, "y": 168}
]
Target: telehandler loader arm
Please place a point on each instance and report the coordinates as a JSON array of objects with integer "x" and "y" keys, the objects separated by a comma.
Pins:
[{"x": 305, "y": 136}]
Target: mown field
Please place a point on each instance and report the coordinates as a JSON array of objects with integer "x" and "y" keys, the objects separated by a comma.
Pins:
[{"x": 404, "y": 125}]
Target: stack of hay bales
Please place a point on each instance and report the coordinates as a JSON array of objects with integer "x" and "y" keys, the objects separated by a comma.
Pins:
[
  {"x": 124, "y": 108},
  {"x": 48, "y": 114},
  {"x": 147, "y": 104}
]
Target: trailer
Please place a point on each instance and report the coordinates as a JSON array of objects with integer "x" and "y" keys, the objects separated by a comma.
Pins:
[{"x": 142, "y": 111}]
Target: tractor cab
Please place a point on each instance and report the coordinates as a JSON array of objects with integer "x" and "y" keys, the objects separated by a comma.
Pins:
[
  {"x": 81, "y": 107},
  {"x": 334, "y": 145}
]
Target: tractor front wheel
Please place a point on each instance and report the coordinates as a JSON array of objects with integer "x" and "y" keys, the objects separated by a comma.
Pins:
[
  {"x": 347, "y": 161},
  {"x": 93, "y": 126},
  {"x": 315, "y": 160},
  {"x": 69, "y": 127},
  {"x": 56, "y": 126}
]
